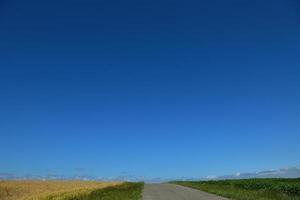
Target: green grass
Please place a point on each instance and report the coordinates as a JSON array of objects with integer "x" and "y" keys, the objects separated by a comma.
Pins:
[
  {"x": 126, "y": 191},
  {"x": 250, "y": 189}
]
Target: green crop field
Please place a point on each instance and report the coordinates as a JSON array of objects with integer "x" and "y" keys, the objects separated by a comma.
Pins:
[{"x": 250, "y": 189}]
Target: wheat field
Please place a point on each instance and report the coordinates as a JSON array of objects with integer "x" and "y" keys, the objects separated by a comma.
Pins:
[{"x": 38, "y": 190}]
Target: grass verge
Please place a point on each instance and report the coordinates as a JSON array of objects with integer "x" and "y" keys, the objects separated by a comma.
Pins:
[{"x": 250, "y": 189}]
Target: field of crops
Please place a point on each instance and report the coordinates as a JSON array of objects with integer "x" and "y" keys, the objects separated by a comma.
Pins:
[
  {"x": 250, "y": 189},
  {"x": 125, "y": 191},
  {"x": 66, "y": 190}
]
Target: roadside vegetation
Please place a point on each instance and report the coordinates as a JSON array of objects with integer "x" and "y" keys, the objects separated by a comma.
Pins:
[
  {"x": 69, "y": 190},
  {"x": 250, "y": 189},
  {"x": 125, "y": 191}
]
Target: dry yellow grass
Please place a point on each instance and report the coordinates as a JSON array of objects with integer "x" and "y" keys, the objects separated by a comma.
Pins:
[{"x": 36, "y": 190}]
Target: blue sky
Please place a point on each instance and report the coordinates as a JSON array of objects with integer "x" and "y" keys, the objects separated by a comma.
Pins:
[{"x": 150, "y": 88}]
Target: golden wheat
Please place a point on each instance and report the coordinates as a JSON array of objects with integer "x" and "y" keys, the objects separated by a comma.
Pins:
[{"x": 36, "y": 190}]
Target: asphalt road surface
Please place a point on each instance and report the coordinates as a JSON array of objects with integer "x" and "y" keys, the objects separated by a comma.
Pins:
[{"x": 175, "y": 192}]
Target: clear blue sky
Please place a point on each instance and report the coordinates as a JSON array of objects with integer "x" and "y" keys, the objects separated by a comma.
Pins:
[{"x": 152, "y": 88}]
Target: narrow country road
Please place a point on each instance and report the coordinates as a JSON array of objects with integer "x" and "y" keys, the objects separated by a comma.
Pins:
[{"x": 175, "y": 192}]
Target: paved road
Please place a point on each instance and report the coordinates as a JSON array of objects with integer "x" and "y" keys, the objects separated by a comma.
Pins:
[{"x": 175, "y": 192}]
